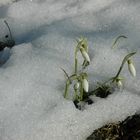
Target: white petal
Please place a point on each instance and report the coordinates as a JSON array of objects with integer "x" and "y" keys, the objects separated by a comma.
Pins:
[
  {"x": 132, "y": 69},
  {"x": 85, "y": 85},
  {"x": 76, "y": 86},
  {"x": 85, "y": 54}
]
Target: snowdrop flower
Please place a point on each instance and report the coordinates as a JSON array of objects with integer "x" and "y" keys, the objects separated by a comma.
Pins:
[
  {"x": 85, "y": 85},
  {"x": 85, "y": 54},
  {"x": 131, "y": 68},
  {"x": 76, "y": 86}
]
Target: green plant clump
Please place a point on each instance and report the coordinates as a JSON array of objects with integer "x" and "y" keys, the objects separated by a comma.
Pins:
[{"x": 80, "y": 77}]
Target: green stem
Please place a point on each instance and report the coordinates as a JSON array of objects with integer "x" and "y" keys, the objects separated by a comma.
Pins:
[
  {"x": 65, "y": 73},
  {"x": 123, "y": 62},
  {"x": 76, "y": 94},
  {"x": 117, "y": 39},
  {"x": 66, "y": 88},
  {"x": 76, "y": 59},
  {"x": 81, "y": 90},
  {"x": 117, "y": 75},
  {"x": 76, "y": 65},
  {"x": 75, "y": 56}
]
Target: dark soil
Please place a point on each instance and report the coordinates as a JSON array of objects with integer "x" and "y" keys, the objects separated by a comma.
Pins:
[
  {"x": 129, "y": 129},
  {"x": 102, "y": 92},
  {"x": 86, "y": 100}
]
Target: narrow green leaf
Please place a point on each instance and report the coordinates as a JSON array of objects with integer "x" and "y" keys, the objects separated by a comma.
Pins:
[{"x": 117, "y": 39}]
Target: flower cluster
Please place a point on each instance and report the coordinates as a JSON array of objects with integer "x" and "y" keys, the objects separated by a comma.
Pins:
[{"x": 80, "y": 77}]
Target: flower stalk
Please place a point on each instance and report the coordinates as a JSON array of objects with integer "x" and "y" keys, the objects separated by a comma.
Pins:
[
  {"x": 117, "y": 39},
  {"x": 126, "y": 58},
  {"x": 67, "y": 88}
]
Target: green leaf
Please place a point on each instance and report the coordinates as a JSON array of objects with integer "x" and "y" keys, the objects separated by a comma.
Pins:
[{"x": 117, "y": 39}]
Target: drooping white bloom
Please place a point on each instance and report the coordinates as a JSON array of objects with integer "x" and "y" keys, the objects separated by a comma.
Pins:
[
  {"x": 85, "y": 85},
  {"x": 85, "y": 54},
  {"x": 76, "y": 86},
  {"x": 131, "y": 68}
]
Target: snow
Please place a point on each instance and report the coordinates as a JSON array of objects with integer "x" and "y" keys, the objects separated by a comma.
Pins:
[
  {"x": 5, "y": 2},
  {"x": 32, "y": 106}
]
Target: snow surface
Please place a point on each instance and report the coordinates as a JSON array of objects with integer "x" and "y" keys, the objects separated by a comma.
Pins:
[{"x": 32, "y": 106}]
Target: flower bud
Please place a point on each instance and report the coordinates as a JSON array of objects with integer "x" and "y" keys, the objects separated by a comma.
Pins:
[
  {"x": 85, "y": 85},
  {"x": 119, "y": 82},
  {"x": 131, "y": 68},
  {"x": 85, "y": 54},
  {"x": 76, "y": 86}
]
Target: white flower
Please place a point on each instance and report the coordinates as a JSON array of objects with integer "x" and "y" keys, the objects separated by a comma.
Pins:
[
  {"x": 85, "y": 85},
  {"x": 131, "y": 68},
  {"x": 76, "y": 86},
  {"x": 85, "y": 54}
]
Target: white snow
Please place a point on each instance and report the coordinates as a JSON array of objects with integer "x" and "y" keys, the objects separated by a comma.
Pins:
[
  {"x": 5, "y": 2},
  {"x": 32, "y": 83}
]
